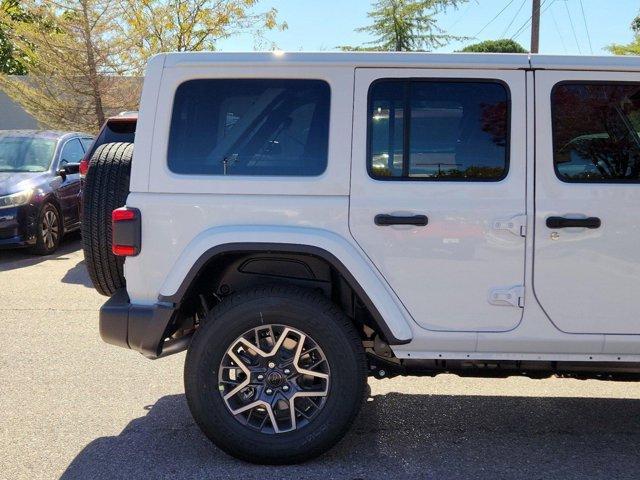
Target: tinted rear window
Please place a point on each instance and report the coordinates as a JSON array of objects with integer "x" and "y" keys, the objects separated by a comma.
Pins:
[
  {"x": 596, "y": 132},
  {"x": 250, "y": 127},
  {"x": 422, "y": 129},
  {"x": 115, "y": 131}
]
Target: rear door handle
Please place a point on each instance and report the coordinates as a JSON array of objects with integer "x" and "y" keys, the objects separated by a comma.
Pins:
[
  {"x": 384, "y": 220},
  {"x": 563, "y": 222}
]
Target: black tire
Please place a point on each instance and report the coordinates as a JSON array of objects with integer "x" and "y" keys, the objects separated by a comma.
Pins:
[
  {"x": 319, "y": 319},
  {"x": 50, "y": 230},
  {"x": 106, "y": 188}
]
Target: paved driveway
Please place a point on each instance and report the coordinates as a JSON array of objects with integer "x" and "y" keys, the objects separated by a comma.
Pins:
[{"x": 76, "y": 408}]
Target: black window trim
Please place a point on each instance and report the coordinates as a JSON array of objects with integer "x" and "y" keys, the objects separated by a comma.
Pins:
[
  {"x": 237, "y": 177},
  {"x": 406, "y": 123},
  {"x": 604, "y": 181}
]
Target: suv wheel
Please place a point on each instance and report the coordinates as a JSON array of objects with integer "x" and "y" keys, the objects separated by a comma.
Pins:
[
  {"x": 275, "y": 375},
  {"x": 49, "y": 230}
]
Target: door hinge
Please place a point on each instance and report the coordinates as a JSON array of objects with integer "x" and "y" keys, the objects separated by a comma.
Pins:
[
  {"x": 509, "y": 296},
  {"x": 516, "y": 225}
]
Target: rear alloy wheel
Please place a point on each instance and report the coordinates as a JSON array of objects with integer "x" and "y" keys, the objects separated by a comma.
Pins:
[
  {"x": 274, "y": 379},
  {"x": 49, "y": 230},
  {"x": 275, "y": 375}
]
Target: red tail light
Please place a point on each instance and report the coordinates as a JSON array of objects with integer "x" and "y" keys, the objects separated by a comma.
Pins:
[
  {"x": 123, "y": 250},
  {"x": 125, "y": 232},
  {"x": 84, "y": 166}
]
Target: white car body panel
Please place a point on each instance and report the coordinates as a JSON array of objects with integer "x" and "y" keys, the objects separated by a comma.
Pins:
[
  {"x": 443, "y": 272},
  {"x": 185, "y": 215},
  {"x": 584, "y": 279}
]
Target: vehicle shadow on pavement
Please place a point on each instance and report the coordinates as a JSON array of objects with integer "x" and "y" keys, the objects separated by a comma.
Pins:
[
  {"x": 399, "y": 436},
  {"x": 21, "y": 257},
  {"x": 78, "y": 275}
]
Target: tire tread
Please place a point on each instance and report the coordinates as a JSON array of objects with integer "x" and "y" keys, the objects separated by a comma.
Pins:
[{"x": 106, "y": 188}]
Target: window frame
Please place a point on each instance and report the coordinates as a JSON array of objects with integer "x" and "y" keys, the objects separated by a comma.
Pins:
[
  {"x": 63, "y": 146},
  {"x": 324, "y": 81},
  {"x": 553, "y": 131},
  {"x": 408, "y": 81}
]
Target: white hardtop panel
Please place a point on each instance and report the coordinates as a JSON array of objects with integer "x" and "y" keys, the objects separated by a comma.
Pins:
[
  {"x": 583, "y": 62},
  {"x": 481, "y": 61},
  {"x": 353, "y": 59}
]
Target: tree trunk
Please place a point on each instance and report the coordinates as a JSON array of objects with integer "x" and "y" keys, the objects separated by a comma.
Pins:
[{"x": 92, "y": 69}]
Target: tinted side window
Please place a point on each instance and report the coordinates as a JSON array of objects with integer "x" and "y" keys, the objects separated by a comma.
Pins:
[
  {"x": 72, "y": 151},
  {"x": 596, "y": 132},
  {"x": 438, "y": 130},
  {"x": 250, "y": 127}
]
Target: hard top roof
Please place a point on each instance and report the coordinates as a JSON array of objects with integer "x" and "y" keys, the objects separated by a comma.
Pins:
[{"x": 508, "y": 61}]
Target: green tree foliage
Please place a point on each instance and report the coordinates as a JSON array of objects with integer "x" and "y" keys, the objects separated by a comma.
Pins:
[
  {"x": 406, "y": 26},
  {"x": 154, "y": 26},
  {"x": 74, "y": 64},
  {"x": 503, "y": 45},
  {"x": 632, "y": 48},
  {"x": 84, "y": 56},
  {"x": 11, "y": 62}
]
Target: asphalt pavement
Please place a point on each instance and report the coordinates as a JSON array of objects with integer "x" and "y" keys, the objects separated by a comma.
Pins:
[{"x": 73, "y": 407}]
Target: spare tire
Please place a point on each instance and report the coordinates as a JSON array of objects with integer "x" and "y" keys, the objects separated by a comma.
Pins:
[{"x": 106, "y": 188}]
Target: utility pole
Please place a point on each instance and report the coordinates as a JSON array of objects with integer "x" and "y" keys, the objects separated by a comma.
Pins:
[{"x": 535, "y": 26}]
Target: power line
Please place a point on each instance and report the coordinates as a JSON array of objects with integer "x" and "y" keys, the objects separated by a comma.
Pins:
[
  {"x": 496, "y": 16},
  {"x": 553, "y": 17},
  {"x": 524, "y": 25},
  {"x": 513, "y": 19},
  {"x": 584, "y": 18},
  {"x": 575, "y": 37},
  {"x": 461, "y": 16}
]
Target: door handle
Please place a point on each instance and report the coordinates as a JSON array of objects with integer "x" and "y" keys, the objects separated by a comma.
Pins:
[
  {"x": 562, "y": 222},
  {"x": 384, "y": 220}
]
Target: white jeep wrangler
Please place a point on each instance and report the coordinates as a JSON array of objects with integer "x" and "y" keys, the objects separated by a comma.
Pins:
[{"x": 298, "y": 222}]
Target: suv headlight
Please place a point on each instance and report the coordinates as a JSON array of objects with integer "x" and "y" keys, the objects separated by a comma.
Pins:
[{"x": 16, "y": 199}]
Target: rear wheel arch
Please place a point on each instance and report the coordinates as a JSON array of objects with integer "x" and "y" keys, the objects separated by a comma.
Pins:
[{"x": 218, "y": 267}]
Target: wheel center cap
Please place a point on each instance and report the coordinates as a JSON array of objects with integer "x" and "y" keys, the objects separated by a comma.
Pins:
[{"x": 275, "y": 379}]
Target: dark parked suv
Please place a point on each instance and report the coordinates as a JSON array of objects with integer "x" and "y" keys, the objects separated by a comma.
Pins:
[{"x": 39, "y": 187}]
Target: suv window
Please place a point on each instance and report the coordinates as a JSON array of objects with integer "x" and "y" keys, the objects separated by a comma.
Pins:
[
  {"x": 72, "y": 152},
  {"x": 596, "y": 132},
  {"x": 250, "y": 127},
  {"x": 438, "y": 130}
]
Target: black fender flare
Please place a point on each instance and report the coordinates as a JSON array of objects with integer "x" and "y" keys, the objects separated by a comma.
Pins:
[{"x": 177, "y": 297}]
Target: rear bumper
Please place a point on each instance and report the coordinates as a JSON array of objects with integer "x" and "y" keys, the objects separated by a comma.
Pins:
[{"x": 139, "y": 327}]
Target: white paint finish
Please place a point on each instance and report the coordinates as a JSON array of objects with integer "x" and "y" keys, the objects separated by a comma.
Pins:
[
  {"x": 178, "y": 225},
  {"x": 145, "y": 125},
  {"x": 443, "y": 272},
  {"x": 535, "y": 333},
  {"x": 586, "y": 280},
  {"x": 334, "y": 181},
  {"x": 171, "y": 245},
  {"x": 587, "y": 63},
  {"x": 350, "y": 59},
  {"x": 475, "y": 61}
]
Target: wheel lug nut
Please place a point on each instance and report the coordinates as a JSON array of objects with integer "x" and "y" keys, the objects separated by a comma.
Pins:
[
  {"x": 287, "y": 371},
  {"x": 268, "y": 391},
  {"x": 260, "y": 377},
  {"x": 285, "y": 388},
  {"x": 272, "y": 365}
]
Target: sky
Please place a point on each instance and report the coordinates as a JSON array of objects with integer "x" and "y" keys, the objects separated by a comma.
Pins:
[{"x": 324, "y": 25}]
